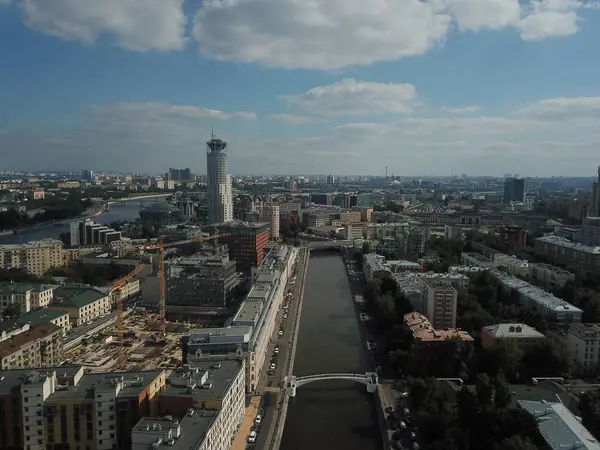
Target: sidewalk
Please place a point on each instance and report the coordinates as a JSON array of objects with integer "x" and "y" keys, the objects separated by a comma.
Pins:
[{"x": 240, "y": 441}]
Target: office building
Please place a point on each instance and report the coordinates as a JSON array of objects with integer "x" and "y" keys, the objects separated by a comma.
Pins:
[
  {"x": 184, "y": 175},
  {"x": 590, "y": 231},
  {"x": 87, "y": 233},
  {"x": 440, "y": 301},
  {"x": 87, "y": 175},
  {"x": 35, "y": 257},
  {"x": 514, "y": 190},
  {"x": 270, "y": 213},
  {"x": 246, "y": 242},
  {"x": 37, "y": 347},
  {"x": 218, "y": 182},
  {"x": 594, "y": 210}
]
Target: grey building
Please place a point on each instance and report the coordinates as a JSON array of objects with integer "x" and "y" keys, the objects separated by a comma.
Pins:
[{"x": 514, "y": 190}]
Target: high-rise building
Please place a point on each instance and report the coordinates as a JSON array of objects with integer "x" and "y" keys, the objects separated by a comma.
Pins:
[
  {"x": 514, "y": 190},
  {"x": 270, "y": 213},
  {"x": 218, "y": 181},
  {"x": 87, "y": 174},
  {"x": 594, "y": 210}
]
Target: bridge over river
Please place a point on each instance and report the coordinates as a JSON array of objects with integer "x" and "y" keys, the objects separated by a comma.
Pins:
[{"x": 369, "y": 379}]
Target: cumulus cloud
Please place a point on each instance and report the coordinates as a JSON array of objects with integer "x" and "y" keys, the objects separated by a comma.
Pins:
[
  {"x": 332, "y": 34},
  {"x": 137, "y": 25},
  {"x": 460, "y": 110},
  {"x": 358, "y": 98},
  {"x": 291, "y": 119},
  {"x": 164, "y": 110}
]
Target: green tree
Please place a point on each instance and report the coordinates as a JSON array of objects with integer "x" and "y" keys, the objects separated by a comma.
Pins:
[{"x": 516, "y": 442}]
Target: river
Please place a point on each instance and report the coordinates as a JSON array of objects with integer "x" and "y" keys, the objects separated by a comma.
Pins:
[
  {"x": 127, "y": 212},
  {"x": 331, "y": 414}
]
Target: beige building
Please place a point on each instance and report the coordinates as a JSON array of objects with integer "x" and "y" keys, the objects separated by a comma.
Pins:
[
  {"x": 84, "y": 304},
  {"x": 270, "y": 213},
  {"x": 353, "y": 217},
  {"x": 43, "y": 316},
  {"x": 366, "y": 214},
  {"x": 582, "y": 343},
  {"x": 36, "y": 257},
  {"x": 26, "y": 296},
  {"x": 38, "y": 347},
  {"x": 353, "y": 231},
  {"x": 440, "y": 303}
]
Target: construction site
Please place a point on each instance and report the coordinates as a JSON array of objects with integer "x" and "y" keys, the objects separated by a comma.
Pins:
[{"x": 139, "y": 339}]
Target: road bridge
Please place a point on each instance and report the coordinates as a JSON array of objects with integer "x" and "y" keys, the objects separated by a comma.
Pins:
[
  {"x": 369, "y": 379},
  {"x": 322, "y": 245}
]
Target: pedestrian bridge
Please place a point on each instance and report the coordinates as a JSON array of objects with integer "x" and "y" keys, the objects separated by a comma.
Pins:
[{"x": 369, "y": 379}]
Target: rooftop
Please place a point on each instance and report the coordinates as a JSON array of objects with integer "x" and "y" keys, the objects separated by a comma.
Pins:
[
  {"x": 15, "y": 343},
  {"x": 423, "y": 331},
  {"x": 40, "y": 316},
  {"x": 513, "y": 331},
  {"x": 565, "y": 243},
  {"x": 11, "y": 288},
  {"x": 203, "y": 380},
  {"x": 192, "y": 430},
  {"x": 477, "y": 257},
  {"x": 73, "y": 296},
  {"x": 11, "y": 379},
  {"x": 32, "y": 244},
  {"x": 559, "y": 427}
]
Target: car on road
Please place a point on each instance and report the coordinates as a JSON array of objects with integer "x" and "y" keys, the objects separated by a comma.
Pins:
[
  {"x": 406, "y": 412},
  {"x": 258, "y": 419},
  {"x": 413, "y": 435},
  {"x": 280, "y": 333},
  {"x": 285, "y": 315},
  {"x": 403, "y": 425},
  {"x": 252, "y": 437},
  {"x": 415, "y": 446},
  {"x": 276, "y": 351},
  {"x": 271, "y": 372},
  {"x": 404, "y": 395}
]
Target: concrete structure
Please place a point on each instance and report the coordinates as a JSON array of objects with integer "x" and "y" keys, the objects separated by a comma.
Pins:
[
  {"x": 453, "y": 232},
  {"x": 218, "y": 182},
  {"x": 37, "y": 347},
  {"x": 252, "y": 326},
  {"x": 83, "y": 303},
  {"x": 25, "y": 296},
  {"x": 518, "y": 332},
  {"x": 559, "y": 427},
  {"x": 270, "y": 213},
  {"x": 555, "y": 311},
  {"x": 292, "y": 382},
  {"x": 36, "y": 257},
  {"x": 475, "y": 259},
  {"x": 87, "y": 232},
  {"x": 514, "y": 190},
  {"x": 246, "y": 242},
  {"x": 590, "y": 231},
  {"x": 440, "y": 302}
]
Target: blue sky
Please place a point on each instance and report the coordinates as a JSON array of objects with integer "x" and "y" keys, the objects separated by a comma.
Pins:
[{"x": 430, "y": 87}]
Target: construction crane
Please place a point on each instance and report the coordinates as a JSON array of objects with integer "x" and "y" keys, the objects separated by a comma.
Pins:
[
  {"x": 160, "y": 246},
  {"x": 115, "y": 290}
]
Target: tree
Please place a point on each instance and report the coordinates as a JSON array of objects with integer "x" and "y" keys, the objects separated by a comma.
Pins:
[
  {"x": 516, "y": 442},
  {"x": 366, "y": 247},
  {"x": 502, "y": 394},
  {"x": 484, "y": 390}
]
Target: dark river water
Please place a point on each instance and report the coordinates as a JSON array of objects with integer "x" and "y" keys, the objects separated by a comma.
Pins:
[
  {"x": 128, "y": 212},
  {"x": 330, "y": 415}
]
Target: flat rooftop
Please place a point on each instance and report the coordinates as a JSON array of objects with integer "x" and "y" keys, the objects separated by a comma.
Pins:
[{"x": 220, "y": 379}]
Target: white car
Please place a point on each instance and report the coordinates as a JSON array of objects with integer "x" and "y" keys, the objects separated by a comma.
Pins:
[
  {"x": 252, "y": 437},
  {"x": 280, "y": 333},
  {"x": 258, "y": 419}
]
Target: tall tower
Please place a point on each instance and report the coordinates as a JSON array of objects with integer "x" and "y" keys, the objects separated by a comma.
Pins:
[
  {"x": 594, "y": 210},
  {"x": 218, "y": 181}
]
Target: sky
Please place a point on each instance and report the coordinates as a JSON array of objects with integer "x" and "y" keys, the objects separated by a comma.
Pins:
[{"x": 424, "y": 87}]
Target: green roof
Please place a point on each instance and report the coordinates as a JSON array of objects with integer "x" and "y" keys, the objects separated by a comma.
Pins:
[
  {"x": 77, "y": 296},
  {"x": 12, "y": 288},
  {"x": 40, "y": 316}
]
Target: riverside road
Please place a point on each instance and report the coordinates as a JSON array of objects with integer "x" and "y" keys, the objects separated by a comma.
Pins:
[{"x": 330, "y": 414}]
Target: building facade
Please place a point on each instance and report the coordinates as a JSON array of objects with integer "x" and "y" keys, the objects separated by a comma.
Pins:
[
  {"x": 246, "y": 242},
  {"x": 37, "y": 347},
  {"x": 218, "y": 182},
  {"x": 270, "y": 214},
  {"x": 35, "y": 257},
  {"x": 440, "y": 301}
]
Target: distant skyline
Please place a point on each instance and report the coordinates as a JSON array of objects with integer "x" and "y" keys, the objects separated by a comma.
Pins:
[{"x": 431, "y": 87}]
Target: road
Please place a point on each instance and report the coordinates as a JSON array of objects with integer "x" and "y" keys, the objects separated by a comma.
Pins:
[{"x": 270, "y": 384}]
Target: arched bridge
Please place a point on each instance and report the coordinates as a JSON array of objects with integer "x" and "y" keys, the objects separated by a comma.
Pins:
[{"x": 369, "y": 379}]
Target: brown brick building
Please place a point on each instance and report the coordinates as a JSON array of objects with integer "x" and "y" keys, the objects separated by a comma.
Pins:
[{"x": 246, "y": 242}]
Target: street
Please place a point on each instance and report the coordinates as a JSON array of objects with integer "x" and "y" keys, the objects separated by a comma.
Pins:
[{"x": 269, "y": 385}]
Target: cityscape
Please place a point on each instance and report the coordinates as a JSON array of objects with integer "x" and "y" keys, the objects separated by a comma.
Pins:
[{"x": 299, "y": 225}]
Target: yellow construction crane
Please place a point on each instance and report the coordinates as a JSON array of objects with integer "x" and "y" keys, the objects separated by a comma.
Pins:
[
  {"x": 160, "y": 246},
  {"x": 115, "y": 292}
]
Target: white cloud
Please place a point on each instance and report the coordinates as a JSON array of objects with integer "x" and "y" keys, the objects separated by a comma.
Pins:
[
  {"x": 358, "y": 98},
  {"x": 137, "y": 25},
  {"x": 332, "y": 34},
  {"x": 317, "y": 34},
  {"x": 460, "y": 110},
  {"x": 582, "y": 109},
  {"x": 291, "y": 119},
  {"x": 164, "y": 110}
]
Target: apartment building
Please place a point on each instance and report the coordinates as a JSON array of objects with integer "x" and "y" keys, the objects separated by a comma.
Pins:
[
  {"x": 62, "y": 407},
  {"x": 25, "y": 296},
  {"x": 453, "y": 232},
  {"x": 82, "y": 303},
  {"x": 36, "y": 257},
  {"x": 211, "y": 389},
  {"x": 567, "y": 252},
  {"x": 353, "y": 231},
  {"x": 374, "y": 267},
  {"x": 475, "y": 260},
  {"x": 252, "y": 326},
  {"x": 549, "y": 276},
  {"x": 426, "y": 339},
  {"x": 39, "y": 346},
  {"x": 246, "y": 242},
  {"x": 581, "y": 341},
  {"x": 521, "y": 333},
  {"x": 270, "y": 214},
  {"x": 43, "y": 316},
  {"x": 555, "y": 311},
  {"x": 440, "y": 302}
]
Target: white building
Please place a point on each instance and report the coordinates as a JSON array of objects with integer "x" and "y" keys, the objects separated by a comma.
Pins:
[
  {"x": 582, "y": 343},
  {"x": 270, "y": 213},
  {"x": 218, "y": 182},
  {"x": 452, "y": 232},
  {"x": 25, "y": 296}
]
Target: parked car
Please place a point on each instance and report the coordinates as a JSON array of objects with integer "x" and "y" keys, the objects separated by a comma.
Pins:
[{"x": 252, "y": 437}]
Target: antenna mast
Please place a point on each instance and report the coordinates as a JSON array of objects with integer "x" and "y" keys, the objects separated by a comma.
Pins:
[{"x": 212, "y": 132}]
